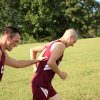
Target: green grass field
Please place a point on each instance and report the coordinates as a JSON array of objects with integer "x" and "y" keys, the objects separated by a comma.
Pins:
[{"x": 81, "y": 62}]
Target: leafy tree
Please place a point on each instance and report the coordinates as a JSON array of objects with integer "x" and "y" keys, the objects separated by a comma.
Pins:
[{"x": 49, "y": 19}]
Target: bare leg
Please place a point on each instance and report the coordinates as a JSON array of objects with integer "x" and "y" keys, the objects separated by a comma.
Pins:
[{"x": 56, "y": 97}]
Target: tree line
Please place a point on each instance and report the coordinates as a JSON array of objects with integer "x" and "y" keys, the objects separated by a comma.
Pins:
[{"x": 41, "y": 20}]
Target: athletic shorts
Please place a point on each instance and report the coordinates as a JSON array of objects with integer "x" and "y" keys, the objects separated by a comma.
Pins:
[{"x": 40, "y": 93}]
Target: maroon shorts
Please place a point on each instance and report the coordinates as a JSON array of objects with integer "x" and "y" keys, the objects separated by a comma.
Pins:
[{"x": 40, "y": 93}]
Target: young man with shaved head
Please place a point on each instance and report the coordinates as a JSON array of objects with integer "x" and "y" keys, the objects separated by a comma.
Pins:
[
  {"x": 10, "y": 38},
  {"x": 41, "y": 83}
]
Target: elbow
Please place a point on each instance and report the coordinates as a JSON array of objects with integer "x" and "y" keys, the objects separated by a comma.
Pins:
[
  {"x": 32, "y": 50},
  {"x": 50, "y": 64}
]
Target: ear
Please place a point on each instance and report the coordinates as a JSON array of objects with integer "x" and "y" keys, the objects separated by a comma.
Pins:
[
  {"x": 71, "y": 38},
  {"x": 8, "y": 36},
  {"x": 5, "y": 33}
]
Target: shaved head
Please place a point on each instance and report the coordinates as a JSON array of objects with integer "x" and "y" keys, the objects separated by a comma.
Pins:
[
  {"x": 71, "y": 32},
  {"x": 70, "y": 37}
]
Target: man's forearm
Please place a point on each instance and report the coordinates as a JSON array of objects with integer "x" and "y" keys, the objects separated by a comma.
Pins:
[{"x": 24, "y": 63}]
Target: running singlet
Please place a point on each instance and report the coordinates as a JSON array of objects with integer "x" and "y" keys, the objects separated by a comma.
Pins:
[
  {"x": 2, "y": 64},
  {"x": 44, "y": 74}
]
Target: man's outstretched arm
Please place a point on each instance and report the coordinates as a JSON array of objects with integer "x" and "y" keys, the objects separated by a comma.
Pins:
[{"x": 19, "y": 63}]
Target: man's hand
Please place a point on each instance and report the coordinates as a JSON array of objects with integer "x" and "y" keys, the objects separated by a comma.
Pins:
[
  {"x": 63, "y": 75},
  {"x": 42, "y": 58}
]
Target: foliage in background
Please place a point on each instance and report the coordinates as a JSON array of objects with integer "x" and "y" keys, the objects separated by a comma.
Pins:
[{"x": 48, "y": 19}]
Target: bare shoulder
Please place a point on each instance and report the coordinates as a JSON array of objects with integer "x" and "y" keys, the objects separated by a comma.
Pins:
[
  {"x": 58, "y": 48},
  {"x": 57, "y": 51},
  {"x": 59, "y": 45}
]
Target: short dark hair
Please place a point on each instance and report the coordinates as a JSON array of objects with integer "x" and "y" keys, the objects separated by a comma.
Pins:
[{"x": 11, "y": 30}]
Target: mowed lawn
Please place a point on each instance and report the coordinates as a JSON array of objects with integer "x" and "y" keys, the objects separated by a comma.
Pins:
[{"x": 81, "y": 62}]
